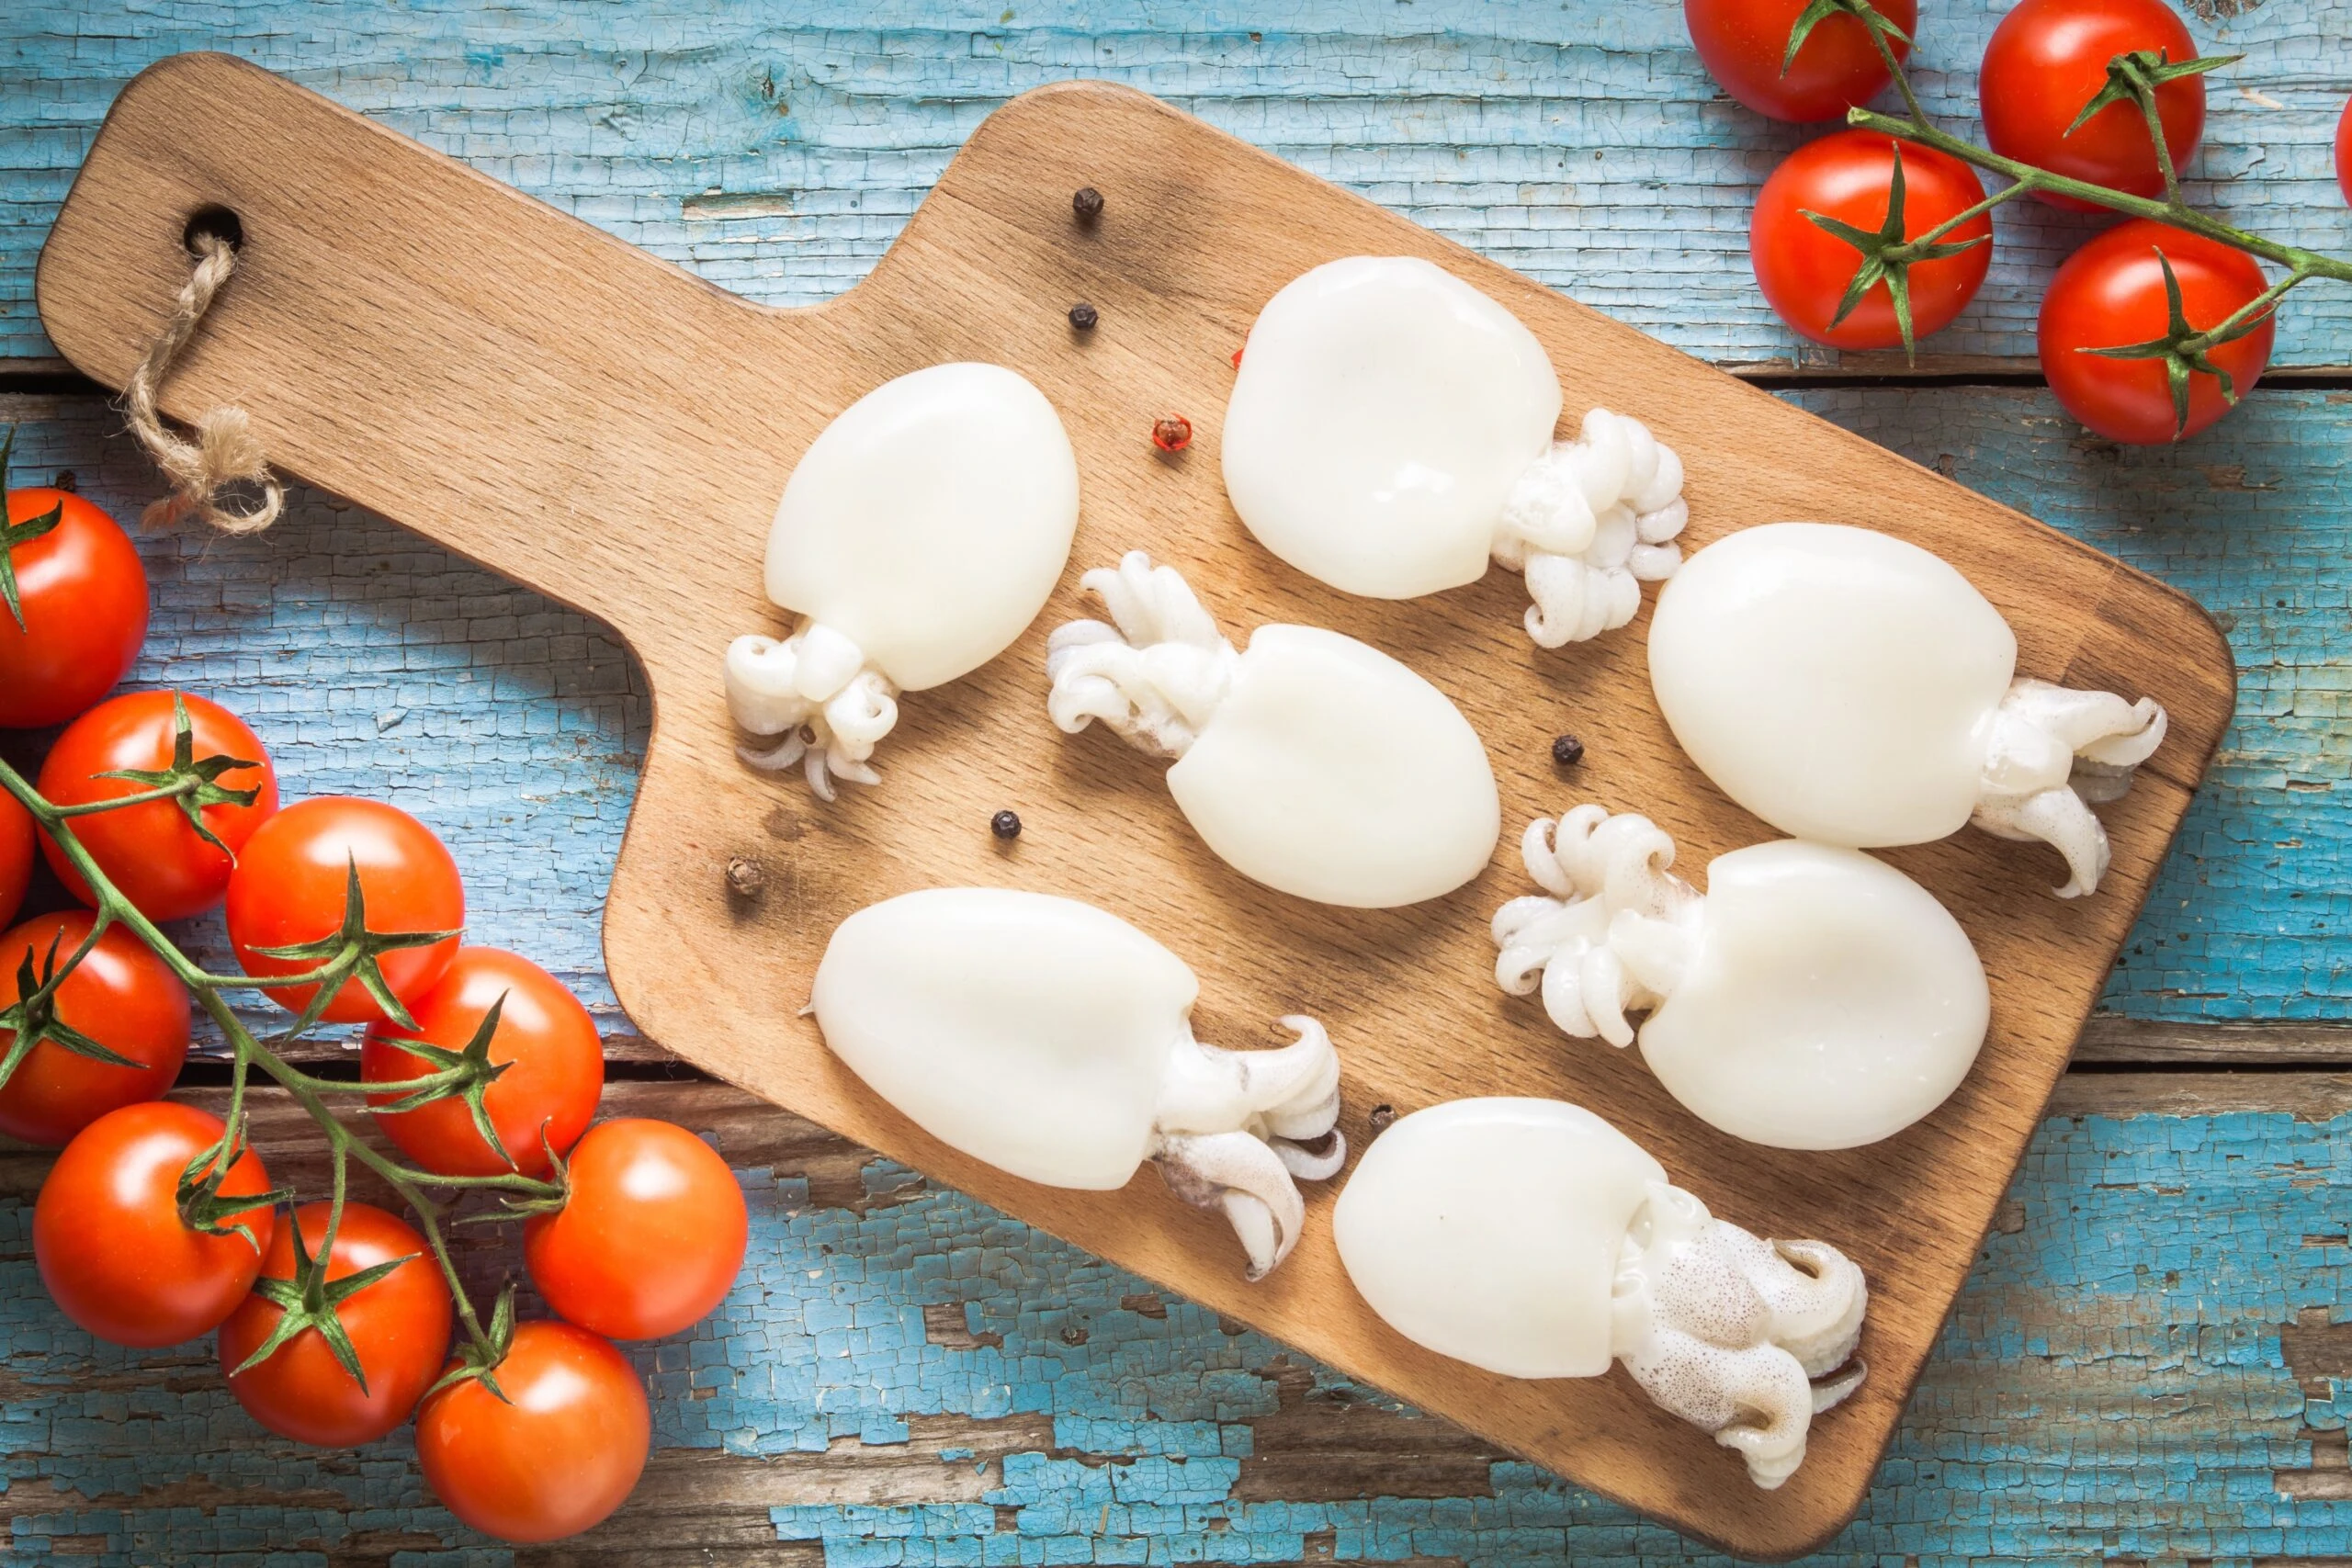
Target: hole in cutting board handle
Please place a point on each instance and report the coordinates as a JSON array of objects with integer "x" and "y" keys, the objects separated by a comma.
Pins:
[{"x": 215, "y": 221}]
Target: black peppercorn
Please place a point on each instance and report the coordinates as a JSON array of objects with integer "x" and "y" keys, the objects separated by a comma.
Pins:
[
  {"x": 1083, "y": 316},
  {"x": 745, "y": 878},
  {"x": 1087, "y": 204},
  {"x": 1382, "y": 1117},
  {"x": 1567, "y": 751},
  {"x": 1006, "y": 825}
]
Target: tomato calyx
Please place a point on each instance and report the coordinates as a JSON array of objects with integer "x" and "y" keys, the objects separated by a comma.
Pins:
[
  {"x": 1883, "y": 32},
  {"x": 351, "y": 953},
  {"x": 557, "y": 1184},
  {"x": 464, "y": 1075},
  {"x": 201, "y": 1206},
  {"x": 190, "y": 783},
  {"x": 479, "y": 1359},
  {"x": 1888, "y": 257},
  {"x": 15, "y": 534},
  {"x": 309, "y": 1299},
  {"x": 2184, "y": 351},
  {"x": 2133, "y": 77},
  {"x": 33, "y": 1017}
]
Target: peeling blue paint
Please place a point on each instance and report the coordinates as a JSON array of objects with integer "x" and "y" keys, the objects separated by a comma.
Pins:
[{"x": 1578, "y": 143}]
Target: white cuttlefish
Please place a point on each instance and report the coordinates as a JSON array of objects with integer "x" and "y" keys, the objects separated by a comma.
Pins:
[
  {"x": 1390, "y": 432},
  {"x": 1053, "y": 1040},
  {"x": 1853, "y": 689},
  {"x": 1811, "y": 999},
  {"x": 1312, "y": 762},
  {"x": 1531, "y": 1238},
  {"x": 918, "y": 536}
]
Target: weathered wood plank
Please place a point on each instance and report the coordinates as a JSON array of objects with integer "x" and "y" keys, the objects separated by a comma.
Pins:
[
  {"x": 2146, "y": 1366},
  {"x": 778, "y": 155},
  {"x": 2113, "y": 1041}
]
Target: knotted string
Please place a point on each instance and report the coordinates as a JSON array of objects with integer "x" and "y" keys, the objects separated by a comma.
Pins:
[{"x": 224, "y": 451}]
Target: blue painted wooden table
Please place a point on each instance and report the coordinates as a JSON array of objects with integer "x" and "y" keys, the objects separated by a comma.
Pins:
[{"x": 2148, "y": 1364}]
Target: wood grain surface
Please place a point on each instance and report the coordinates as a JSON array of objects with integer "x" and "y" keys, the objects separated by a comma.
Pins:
[{"x": 415, "y": 337}]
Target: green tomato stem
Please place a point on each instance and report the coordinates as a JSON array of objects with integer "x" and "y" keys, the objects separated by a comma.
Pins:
[
  {"x": 1910, "y": 249},
  {"x": 2309, "y": 264},
  {"x": 2146, "y": 95},
  {"x": 138, "y": 797}
]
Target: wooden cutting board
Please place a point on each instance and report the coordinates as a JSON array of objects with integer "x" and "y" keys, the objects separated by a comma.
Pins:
[{"x": 604, "y": 427}]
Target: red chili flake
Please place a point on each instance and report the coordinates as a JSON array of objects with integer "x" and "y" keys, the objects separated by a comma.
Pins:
[
  {"x": 1237, "y": 359},
  {"x": 1172, "y": 433}
]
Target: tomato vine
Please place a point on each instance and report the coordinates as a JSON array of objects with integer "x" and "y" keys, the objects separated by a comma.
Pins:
[
  {"x": 349, "y": 953},
  {"x": 2131, "y": 77}
]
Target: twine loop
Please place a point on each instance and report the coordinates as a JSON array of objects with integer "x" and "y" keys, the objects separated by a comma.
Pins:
[{"x": 224, "y": 451}]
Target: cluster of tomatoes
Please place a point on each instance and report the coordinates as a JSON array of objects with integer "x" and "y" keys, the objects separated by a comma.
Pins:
[
  {"x": 157, "y": 1224},
  {"x": 2046, "y": 64}
]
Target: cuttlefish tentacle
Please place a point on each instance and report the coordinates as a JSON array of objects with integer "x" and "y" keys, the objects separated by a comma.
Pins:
[
  {"x": 817, "y": 692},
  {"x": 1243, "y": 1179},
  {"x": 1233, "y": 1128},
  {"x": 1589, "y": 523},
  {"x": 2052, "y": 753},
  {"x": 1155, "y": 674},
  {"x": 1612, "y": 930},
  {"x": 1745, "y": 1338}
]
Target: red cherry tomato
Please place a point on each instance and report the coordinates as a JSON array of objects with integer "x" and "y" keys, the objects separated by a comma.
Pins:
[
  {"x": 15, "y": 855},
  {"x": 2344, "y": 153},
  {"x": 121, "y": 995},
  {"x": 555, "y": 1066},
  {"x": 558, "y": 1454},
  {"x": 2111, "y": 293},
  {"x": 399, "y": 1326},
  {"x": 113, "y": 1250},
  {"x": 1743, "y": 42},
  {"x": 85, "y": 599},
  {"x": 1804, "y": 270},
  {"x": 2048, "y": 59},
  {"x": 288, "y": 888},
  {"x": 152, "y": 853},
  {"x": 650, "y": 1238}
]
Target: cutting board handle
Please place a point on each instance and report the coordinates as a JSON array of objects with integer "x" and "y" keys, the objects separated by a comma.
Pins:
[{"x": 428, "y": 342}]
